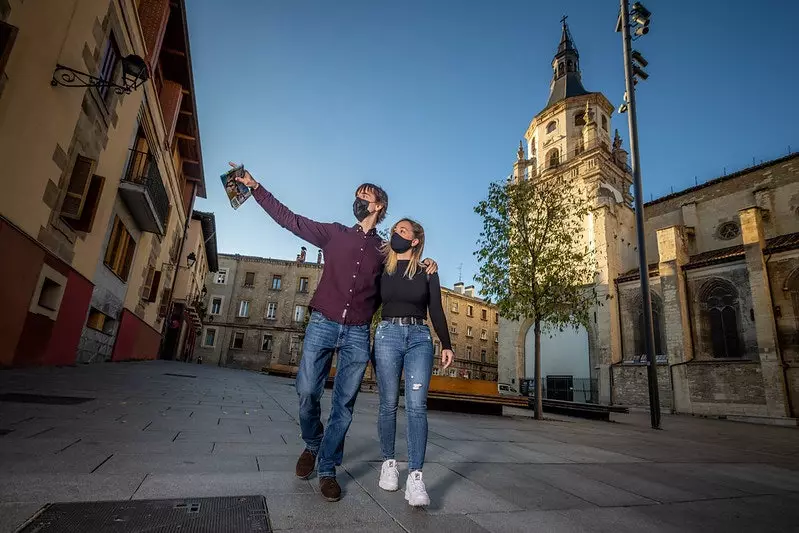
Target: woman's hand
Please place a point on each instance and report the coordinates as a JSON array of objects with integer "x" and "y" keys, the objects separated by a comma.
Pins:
[
  {"x": 446, "y": 358},
  {"x": 431, "y": 267},
  {"x": 247, "y": 180}
]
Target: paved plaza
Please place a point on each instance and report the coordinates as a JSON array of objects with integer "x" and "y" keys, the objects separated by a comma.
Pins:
[{"x": 175, "y": 430}]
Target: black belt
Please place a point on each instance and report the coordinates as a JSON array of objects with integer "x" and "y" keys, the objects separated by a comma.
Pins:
[{"x": 406, "y": 321}]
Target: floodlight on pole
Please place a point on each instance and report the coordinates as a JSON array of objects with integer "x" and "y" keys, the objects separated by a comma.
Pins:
[{"x": 632, "y": 72}]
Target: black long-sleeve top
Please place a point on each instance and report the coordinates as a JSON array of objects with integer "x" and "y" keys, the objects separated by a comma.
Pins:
[{"x": 404, "y": 297}]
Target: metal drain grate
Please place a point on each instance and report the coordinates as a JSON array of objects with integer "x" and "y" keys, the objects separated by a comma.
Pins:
[
  {"x": 179, "y": 375},
  {"x": 238, "y": 514},
  {"x": 40, "y": 398}
]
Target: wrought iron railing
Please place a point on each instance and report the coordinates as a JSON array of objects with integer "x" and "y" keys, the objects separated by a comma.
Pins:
[
  {"x": 585, "y": 390},
  {"x": 143, "y": 170}
]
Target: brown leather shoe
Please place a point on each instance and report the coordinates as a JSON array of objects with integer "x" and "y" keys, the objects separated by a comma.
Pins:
[
  {"x": 305, "y": 464},
  {"x": 330, "y": 489}
]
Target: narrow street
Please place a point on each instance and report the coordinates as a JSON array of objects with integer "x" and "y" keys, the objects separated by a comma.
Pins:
[{"x": 170, "y": 430}]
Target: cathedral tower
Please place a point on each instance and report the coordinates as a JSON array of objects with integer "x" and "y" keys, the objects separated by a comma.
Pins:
[{"x": 571, "y": 137}]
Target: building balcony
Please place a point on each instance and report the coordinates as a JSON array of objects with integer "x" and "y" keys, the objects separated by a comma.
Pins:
[{"x": 143, "y": 192}]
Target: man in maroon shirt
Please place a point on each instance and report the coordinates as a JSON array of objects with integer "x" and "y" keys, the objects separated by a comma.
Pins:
[{"x": 343, "y": 306}]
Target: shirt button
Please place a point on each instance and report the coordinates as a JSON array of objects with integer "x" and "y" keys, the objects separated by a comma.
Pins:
[
  {"x": 350, "y": 290},
  {"x": 348, "y": 305},
  {"x": 357, "y": 262},
  {"x": 353, "y": 275}
]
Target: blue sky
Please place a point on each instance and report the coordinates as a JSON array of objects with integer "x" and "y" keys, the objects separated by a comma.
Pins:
[{"x": 430, "y": 99}]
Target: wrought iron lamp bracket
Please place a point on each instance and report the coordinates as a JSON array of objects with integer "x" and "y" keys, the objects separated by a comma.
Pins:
[{"x": 69, "y": 77}]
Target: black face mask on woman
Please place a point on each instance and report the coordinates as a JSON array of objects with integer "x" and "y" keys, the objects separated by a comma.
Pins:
[
  {"x": 360, "y": 208},
  {"x": 400, "y": 244}
]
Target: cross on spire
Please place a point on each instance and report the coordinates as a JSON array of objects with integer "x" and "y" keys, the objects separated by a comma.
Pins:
[{"x": 563, "y": 20}]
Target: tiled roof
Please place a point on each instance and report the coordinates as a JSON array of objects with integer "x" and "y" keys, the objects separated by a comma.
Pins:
[
  {"x": 713, "y": 257},
  {"x": 781, "y": 243},
  {"x": 634, "y": 274}
]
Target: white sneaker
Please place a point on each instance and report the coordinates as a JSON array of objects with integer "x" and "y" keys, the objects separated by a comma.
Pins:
[
  {"x": 415, "y": 491},
  {"x": 389, "y": 476}
]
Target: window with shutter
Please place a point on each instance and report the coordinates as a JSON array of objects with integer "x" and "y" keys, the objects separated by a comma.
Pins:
[
  {"x": 77, "y": 188},
  {"x": 86, "y": 221},
  {"x": 154, "y": 289},
  {"x": 164, "y": 305},
  {"x": 108, "y": 65},
  {"x": 148, "y": 283},
  {"x": 8, "y": 34},
  {"x": 121, "y": 250}
]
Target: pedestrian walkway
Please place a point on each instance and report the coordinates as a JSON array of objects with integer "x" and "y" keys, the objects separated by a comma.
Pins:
[{"x": 174, "y": 430}]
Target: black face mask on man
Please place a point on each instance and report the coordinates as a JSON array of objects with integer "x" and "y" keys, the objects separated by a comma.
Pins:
[
  {"x": 360, "y": 208},
  {"x": 400, "y": 244}
]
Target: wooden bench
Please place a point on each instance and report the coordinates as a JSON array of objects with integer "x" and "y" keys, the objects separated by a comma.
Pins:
[{"x": 583, "y": 410}]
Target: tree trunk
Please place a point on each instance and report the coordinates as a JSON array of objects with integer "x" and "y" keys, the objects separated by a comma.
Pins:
[{"x": 539, "y": 411}]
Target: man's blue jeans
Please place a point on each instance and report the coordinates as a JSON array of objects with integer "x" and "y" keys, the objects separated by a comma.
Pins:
[
  {"x": 410, "y": 348},
  {"x": 322, "y": 338}
]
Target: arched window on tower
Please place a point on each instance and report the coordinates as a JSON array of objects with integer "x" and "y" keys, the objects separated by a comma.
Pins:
[
  {"x": 553, "y": 158},
  {"x": 570, "y": 66},
  {"x": 552, "y": 126},
  {"x": 579, "y": 118},
  {"x": 605, "y": 123},
  {"x": 720, "y": 307}
]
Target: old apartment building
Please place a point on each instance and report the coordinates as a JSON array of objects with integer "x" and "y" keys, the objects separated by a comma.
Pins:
[
  {"x": 474, "y": 333},
  {"x": 257, "y": 310},
  {"x": 101, "y": 165},
  {"x": 724, "y": 265}
]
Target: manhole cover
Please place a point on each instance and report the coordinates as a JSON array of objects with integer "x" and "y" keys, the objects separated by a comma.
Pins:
[
  {"x": 39, "y": 398},
  {"x": 179, "y": 375},
  {"x": 237, "y": 514}
]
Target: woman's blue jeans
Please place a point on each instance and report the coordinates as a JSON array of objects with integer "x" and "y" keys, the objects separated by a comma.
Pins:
[{"x": 399, "y": 347}]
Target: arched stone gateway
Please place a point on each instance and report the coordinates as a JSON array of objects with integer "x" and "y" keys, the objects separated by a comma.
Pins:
[{"x": 565, "y": 363}]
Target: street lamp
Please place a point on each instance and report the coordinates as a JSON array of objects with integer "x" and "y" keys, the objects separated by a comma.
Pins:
[
  {"x": 633, "y": 71},
  {"x": 134, "y": 74},
  {"x": 191, "y": 259}
]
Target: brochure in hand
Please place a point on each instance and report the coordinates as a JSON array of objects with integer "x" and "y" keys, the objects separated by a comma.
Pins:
[{"x": 237, "y": 192}]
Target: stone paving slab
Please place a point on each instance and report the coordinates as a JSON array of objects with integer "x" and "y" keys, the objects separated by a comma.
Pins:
[
  {"x": 13, "y": 515},
  {"x": 450, "y": 493},
  {"x": 309, "y": 512},
  {"x": 44, "y": 488},
  {"x": 221, "y": 484},
  {"x": 516, "y": 486},
  {"x": 181, "y": 463},
  {"x": 616, "y": 520}
]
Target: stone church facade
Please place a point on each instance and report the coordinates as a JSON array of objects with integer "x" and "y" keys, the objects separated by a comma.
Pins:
[{"x": 724, "y": 269}]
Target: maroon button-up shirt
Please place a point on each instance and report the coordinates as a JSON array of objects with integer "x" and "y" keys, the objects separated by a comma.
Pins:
[{"x": 349, "y": 291}]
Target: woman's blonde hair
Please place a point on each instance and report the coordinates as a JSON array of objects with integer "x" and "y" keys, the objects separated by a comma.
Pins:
[{"x": 416, "y": 257}]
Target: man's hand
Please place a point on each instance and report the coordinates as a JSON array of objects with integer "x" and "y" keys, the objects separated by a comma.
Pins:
[
  {"x": 431, "y": 267},
  {"x": 247, "y": 179},
  {"x": 446, "y": 358}
]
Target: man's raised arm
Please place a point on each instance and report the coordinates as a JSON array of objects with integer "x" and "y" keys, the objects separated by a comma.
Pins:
[{"x": 316, "y": 233}]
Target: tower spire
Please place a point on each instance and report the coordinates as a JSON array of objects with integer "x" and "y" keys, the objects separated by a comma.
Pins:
[{"x": 566, "y": 78}]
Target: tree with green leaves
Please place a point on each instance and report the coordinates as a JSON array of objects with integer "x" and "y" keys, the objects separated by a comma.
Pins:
[{"x": 534, "y": 256}]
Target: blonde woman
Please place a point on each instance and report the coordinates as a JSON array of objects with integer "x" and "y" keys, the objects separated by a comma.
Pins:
[{"x": 403, "y": 342}]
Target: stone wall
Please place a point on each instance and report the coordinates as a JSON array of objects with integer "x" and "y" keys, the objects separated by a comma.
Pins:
[
  {"x": 726, "y": 382},
  {"x": 631, "y": 385}
]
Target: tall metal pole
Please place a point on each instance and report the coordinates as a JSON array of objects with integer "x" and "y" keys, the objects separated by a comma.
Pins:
[{"x": 649, "y": 335}]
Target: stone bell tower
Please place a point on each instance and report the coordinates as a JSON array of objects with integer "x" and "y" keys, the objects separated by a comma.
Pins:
[{"x": 571, "y": 137}]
